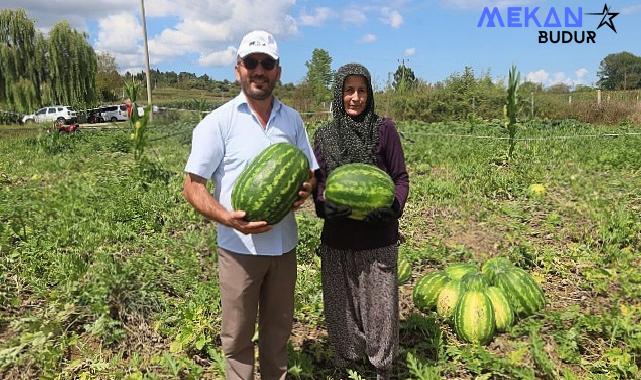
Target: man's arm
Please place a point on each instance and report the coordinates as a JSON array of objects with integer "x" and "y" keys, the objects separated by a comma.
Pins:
[{"x": 195, "y": 192}]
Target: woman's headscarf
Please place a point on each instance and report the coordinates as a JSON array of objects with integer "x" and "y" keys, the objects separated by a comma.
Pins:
[{"x": 346, "y": 140}]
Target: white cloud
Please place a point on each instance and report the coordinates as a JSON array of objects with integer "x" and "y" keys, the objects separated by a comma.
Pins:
[
  {"x": 319, "y": 17},
  {"x": 391, "y": 17},
  {"x": 581, "y": 73},
  {"x": 192, "y": 28},
  {"x": 219, "y": 58},
  {"x": 540, "y": 76},
  {"x": 368, "y": 38},
  {"x": 549, "y": 79},
  {"x": 409, "y": 52},
  {"x": 354, "y": 16},
  {"x": 121, "y": 35}
]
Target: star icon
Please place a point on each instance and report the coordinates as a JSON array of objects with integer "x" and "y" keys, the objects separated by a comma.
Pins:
[{"x": 606, "y": 15}]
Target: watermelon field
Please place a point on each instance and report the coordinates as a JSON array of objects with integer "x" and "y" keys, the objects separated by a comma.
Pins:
[{"x": 107, "y": 273}]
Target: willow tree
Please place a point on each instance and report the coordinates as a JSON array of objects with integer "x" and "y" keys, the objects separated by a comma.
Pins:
[
  {"x": 19, "y": 78},
  {"x": 72, "y": 66}
]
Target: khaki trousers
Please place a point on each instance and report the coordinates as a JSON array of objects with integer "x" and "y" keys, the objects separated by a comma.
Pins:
[{"x": 251, "y": 285}]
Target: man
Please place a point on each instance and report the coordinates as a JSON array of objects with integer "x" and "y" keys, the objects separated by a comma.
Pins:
[{"x": 256, "y": 261}]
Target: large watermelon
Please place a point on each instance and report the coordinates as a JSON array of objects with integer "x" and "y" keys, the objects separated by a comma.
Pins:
[
  {"x": 474, "y": 317},
  {"x": 361, "y": 187},
  {"x": 503, "y": 312},
  {"x": 268, "y": 187},
  {"x": 427, "y": 289},
  {"x": 474, "y": 281},
  {"x": 448, "y": 297},
  {"x": 404, "y": 270},
  {"x": 457, "y": 271},
  {"x": 496, "y": 265},
  {"x": 523, "y": 293}
]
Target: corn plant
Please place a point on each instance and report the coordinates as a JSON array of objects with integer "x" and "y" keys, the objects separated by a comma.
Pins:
[
  {"x": 138, "y": 123},
  {"x": 510, "y": 109}
]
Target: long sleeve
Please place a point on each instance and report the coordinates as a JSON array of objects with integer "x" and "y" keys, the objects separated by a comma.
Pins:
[{"x": 392, "y": 153}]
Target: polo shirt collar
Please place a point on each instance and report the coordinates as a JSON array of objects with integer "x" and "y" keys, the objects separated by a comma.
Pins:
[{"x": 241, "y": 101}]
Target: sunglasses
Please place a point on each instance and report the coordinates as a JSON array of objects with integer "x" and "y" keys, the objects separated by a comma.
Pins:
[{"x": 250, "y": 63}]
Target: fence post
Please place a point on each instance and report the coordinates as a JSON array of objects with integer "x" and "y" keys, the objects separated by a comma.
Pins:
[
  {"x": 570, "y": 100},
  {"x": 598, "y": 97},
  {"x": 532, "y": 105}
]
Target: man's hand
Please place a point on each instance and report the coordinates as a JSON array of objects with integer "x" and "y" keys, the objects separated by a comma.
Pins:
[
  {"x": 236, "y": 220},
  {"x": 305, "y": 191}
]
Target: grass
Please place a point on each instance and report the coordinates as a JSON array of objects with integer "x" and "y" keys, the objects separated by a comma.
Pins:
[{"x": 106, "y": 272}]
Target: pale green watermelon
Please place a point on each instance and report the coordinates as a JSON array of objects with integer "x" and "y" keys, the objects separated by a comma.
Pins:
[
  {"x": 503, "y": 312},
  {"x": 474, "y": 317},
  {"x": 404, "y": 270},
  {"x": 448, "y": 297},
  {"x": 427, "y": 289},
  {"x": 457, "y": 271}
]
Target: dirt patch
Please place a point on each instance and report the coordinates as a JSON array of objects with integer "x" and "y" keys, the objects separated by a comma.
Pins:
[{"x": 479, "y": 238}]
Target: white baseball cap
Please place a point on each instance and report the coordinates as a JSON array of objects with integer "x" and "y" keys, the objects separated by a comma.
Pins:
[{"x": 258, "y": 41}]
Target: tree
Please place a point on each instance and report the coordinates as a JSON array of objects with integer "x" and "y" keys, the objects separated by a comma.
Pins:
[
  {"x": 404, "y": 78},
  {"x": 319, "y": 76},
  {"x": 20, "y": 67},
  {"x": 72, "y": 66},
  {"x": 109, "y": 83},
  {"x": 528, "y": 87},
  {"x": 559, "y": 88},
  {"x": 620, "y": 71}
]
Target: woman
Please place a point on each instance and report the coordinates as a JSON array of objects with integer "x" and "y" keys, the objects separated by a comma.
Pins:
[{"x": 358, "y": 258}]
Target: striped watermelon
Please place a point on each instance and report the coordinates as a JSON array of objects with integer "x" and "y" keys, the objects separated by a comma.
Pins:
[
  {"x": 457, "y": 271},
  {"x": 404, "y": 270},
  {"x": 495, "y": 265},
  {"x": 268, "y": 187},
  {"x": 361, "y": 187},
  {"x": 448, "y": 297},
  {"x": 426, "y": 290},
  {"x": 503, "y": 312},
  {"x": 474, "y": 281},
  {"x": 523, "y": 293},
  {"x": 474, "y": 317}
]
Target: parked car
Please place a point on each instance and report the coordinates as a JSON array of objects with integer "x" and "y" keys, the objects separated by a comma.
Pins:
[
  {"x": 114, "y": 113},
  {"x": 64, "y": 114},
  {"x": 93, "y": 115}
]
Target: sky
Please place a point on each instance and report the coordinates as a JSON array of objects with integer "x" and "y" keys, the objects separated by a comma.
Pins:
[{"x": 434, "y": 38}]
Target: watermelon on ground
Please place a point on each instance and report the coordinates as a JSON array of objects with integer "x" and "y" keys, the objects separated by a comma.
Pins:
[
  {"x": 404, "y": 270},
  {"x": 523, "y": 293},
  {"x": 503, "y": 312},
  {"x": 448, "y": 297},
  {"x": 427, "y": 289},
  {"x": 474, "y": 317},
  {"x": 475, "y": 281},
  {"x": 457, "y": 271}
]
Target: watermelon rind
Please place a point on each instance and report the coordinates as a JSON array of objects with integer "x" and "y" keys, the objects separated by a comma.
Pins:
[
  {"x": 427, "y": 289},
  {"x": 474, "y": 318},
  {"x": 362, "y": 187},
  {"x": 503, "y": 312},
  {"x": 457, "y": 271},
  {"x": 523, "y": 293},
  {"x": 448, "y": 297},
  {"x": 267, "y": 188},
  {"x": 404, "y": 270}
]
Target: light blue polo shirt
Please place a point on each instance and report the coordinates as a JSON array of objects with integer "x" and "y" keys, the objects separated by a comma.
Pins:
[{"x": 224, "y": 143}]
